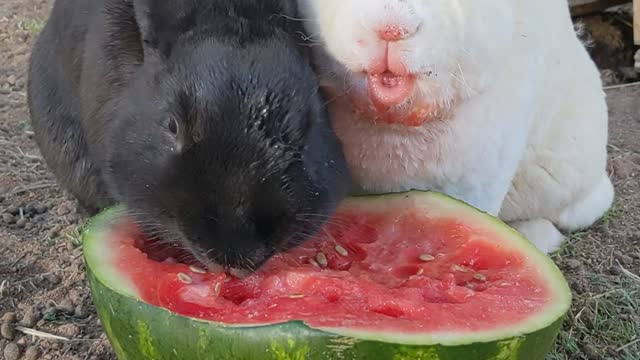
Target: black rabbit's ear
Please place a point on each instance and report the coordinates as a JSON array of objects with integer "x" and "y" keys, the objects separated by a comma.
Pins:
[
  {"x": 147, "y": 27},
  {"x": 159, "y": 24}
]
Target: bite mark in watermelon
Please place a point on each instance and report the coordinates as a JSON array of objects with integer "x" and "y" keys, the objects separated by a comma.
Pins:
[{"x": 415, "y": 275}]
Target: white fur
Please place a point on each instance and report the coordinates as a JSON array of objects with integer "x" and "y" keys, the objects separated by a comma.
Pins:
[{"x": 523, "y": 130}]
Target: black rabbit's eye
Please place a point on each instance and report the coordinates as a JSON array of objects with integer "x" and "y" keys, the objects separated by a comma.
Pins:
[{"x": 173, "y": 126}]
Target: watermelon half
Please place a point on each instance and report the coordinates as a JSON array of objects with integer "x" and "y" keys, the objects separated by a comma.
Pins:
[{"x": 415, "y": 275}]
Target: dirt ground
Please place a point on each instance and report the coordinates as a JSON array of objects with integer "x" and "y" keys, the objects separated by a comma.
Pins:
[{"x": 43, "y": 286}]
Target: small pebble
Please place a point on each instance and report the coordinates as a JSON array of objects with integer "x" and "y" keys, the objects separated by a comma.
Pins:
[
  {"x": 578, "y": 287},
  {"x": 40, "y": 208},
  {"x": 625, "y": 259},
  {"x": 30, "y": 318},
  {"x": 74, "y": 218},
  {"x": 22, "y": 341},
  {"x": 54, "y": 231},
  {"x": 615, "y": 270},
  {"x": 21, "y": 222},
  {"x": 11, "y": 351},
  {"x": 31, "y": 353},
  {"x": 572, "y": 263},
  {"x": 66, "y": 307},
  {"x": 52, "y": 278},
  {"x": 50, "y": 313},
  {"x": 591, "y": 351},
  {"x": 11, "y": 80},
  {"x": 30, "y": 209},
  {"x": 636, "y": 255},
  {"x": 80, "y": 312},
  {"x": 69, "y": 331},
  {"x": 75, "y": 296},
  {"x": 9, "y": 317},
  {"x": 63, "y": 209},
  {"x": 8, "y": 218},
  {"x": 13, "y": 210},
  {"x": 7, "y": 331}
]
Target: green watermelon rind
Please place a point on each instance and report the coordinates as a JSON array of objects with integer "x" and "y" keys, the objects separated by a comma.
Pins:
[{"x": 138, "y": 330}]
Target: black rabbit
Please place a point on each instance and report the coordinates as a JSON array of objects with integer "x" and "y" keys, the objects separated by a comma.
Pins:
[{"x": 203, "y": 117}]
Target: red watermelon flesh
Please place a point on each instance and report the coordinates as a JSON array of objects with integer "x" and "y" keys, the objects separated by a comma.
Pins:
[{"x": 405, "y": 270}]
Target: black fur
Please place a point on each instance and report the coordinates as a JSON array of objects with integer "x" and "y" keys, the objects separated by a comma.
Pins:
[{"x": 204, "y": 117}]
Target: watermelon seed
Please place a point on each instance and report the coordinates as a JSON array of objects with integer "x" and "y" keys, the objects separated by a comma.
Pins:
[
  {"x": 322, "y": 259},
  {"x": 459, "y": 268},
  {"x": 342, "y": 251},
  {"x": 426, "y": 258},
  {"x": 471, "y": 286},
  {"x": 420, "y": 272},
  {"x": 480, "y": 277},
  {"x": 197, "y": 270},
  {"x": 296, "y": 296},
  {"x": 314, "y": 263},
  {"x": 217, "y": 289},
  {"x": 184, "y": 278}
]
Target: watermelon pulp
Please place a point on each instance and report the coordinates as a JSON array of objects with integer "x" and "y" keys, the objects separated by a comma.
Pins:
[{"x": 409, "y": 268}]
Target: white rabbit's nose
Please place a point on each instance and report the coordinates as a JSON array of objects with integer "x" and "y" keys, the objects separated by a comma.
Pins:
[
  {"x": 395, "y": 21},
  {"x": 396, "y": 32}
]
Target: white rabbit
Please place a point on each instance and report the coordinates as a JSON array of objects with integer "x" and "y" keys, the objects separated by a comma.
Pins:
[{"x": 495, "y": 102}]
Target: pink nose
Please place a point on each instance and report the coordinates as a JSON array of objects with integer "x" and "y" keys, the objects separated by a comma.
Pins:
[{"x": 394, "y": 32}]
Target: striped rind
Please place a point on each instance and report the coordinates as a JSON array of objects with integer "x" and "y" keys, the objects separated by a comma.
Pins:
[
  {"x": 99, "y": 256},
  {"x": 138, "y": 330}
]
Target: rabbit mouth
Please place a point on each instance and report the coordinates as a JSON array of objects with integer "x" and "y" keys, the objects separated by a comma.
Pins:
[
  {"x": 389, "y": 98},
  {"x": 388, "y": 90},
  {"x": 394, "y": 99}
]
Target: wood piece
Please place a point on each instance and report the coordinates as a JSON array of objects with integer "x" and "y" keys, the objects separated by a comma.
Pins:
[
  {"x": 636, "y": 23},
  {"x": 586, "y": 7}
]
